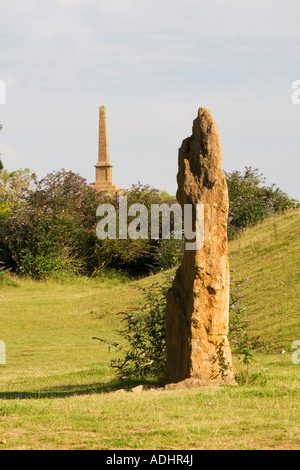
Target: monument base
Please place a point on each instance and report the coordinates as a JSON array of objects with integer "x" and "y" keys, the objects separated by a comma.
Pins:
[{"x": 105, "y": 186}]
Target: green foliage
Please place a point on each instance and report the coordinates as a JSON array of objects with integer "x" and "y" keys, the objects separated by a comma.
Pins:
[
  {"x": 168, "y": 253},
  {"x": 144, "y": 332},
  {"x": 5, "y": 211},
  {"x": 238, "y": 332},
  {"x": 15, "y": 187},
  {"x": 139, "y": 257},
  {"x": 46, "y": 263},
  {"x": 48, "y": 227},
  {"x": 51, "y": 228},
  {"x": 238, "y": 328},
  {"x": 251, "y": 200}
]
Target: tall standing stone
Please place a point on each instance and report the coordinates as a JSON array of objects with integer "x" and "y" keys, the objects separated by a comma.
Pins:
[
  {"x": 103, "y": 167},
  {"x": 198, "y": 302}
]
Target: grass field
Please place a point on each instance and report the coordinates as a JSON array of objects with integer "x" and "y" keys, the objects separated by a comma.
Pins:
[{"x": 57, "y": 390}]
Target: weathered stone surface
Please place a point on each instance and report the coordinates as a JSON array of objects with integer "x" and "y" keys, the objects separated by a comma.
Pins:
[{"x": 198, "y": 302}]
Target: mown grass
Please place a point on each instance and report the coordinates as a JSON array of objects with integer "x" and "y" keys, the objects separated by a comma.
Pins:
[
  {"x": 57, "y": 390},
  {"x": 249, "y": 417}
]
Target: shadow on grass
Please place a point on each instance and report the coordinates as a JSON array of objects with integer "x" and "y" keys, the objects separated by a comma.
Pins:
[{"x": 64, "y": 391}]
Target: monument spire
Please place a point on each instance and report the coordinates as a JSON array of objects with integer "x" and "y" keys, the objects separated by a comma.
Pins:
[
  {"x": 103, "y": 167},
  {"x": 103, "y": 155}
]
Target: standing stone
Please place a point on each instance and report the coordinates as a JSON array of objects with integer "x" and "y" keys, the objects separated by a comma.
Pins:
[
  {"x": 103, "y": 167},
  {"x": 198, "y": 302}
]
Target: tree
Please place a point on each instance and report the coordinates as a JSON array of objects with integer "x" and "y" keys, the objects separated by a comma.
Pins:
[{"x": 15, "y": 186}]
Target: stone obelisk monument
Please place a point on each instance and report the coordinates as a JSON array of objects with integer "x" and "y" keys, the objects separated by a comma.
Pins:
[
  {"x": 198, "y": 303},
  {"x": 103, "y": 167}
]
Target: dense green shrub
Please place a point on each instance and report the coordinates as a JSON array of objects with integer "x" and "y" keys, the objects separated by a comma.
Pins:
[
  {"x": 136, "y": 257},
  {"x": 52, "y": 230},
  {"x": 251, "y": 200}
]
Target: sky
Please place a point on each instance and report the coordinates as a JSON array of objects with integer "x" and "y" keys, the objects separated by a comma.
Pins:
[{"x": 152, "y": 64}]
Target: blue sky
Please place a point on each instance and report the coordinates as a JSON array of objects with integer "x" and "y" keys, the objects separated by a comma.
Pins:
[{"x": 153, "y": 64}]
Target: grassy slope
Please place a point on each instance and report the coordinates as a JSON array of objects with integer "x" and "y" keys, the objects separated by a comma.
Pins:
[
  {"x": 270, "y": 254},
  {"x": 56, "y": 389}
]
